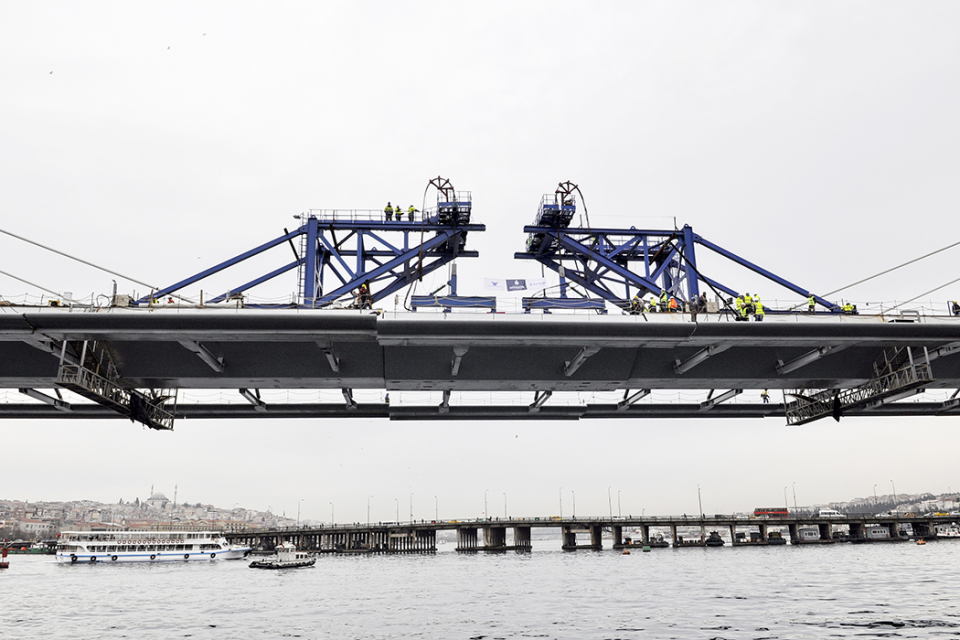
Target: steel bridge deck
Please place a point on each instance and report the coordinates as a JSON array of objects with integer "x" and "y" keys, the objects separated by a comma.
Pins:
[{"x": 298, "y": 349}]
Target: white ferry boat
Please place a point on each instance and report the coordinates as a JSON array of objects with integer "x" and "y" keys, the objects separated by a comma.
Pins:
[{"x": 146, "y": 546}]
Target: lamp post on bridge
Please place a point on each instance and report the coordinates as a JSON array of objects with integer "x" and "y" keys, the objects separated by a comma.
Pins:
[
  {"x": 398, "y": 510},
  {"x": 561, "y": 503},
  {"x": 619, "y": 510},
  {"x": 485, "y": 503},
  {"x": 298, "y": 513},
  {"x": 504, "y": 506},
  {"x": 610, "y": 502},
  {"x": 895, "y": 505},
  {"x": 436, "y": 508},
  {"x": 786, "y": 505},
  {"x": 699, "y": 502},
  {"x": 795, "y": 497},
  {"x": 876, "y": 500},
  {"x": 411, "y": 507},
  {"x": 368, "y": 510},
  {"x": 574, "y": 494},
  {"x": 332, "y": 520}
]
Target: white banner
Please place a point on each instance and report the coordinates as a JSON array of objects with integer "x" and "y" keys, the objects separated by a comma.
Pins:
[
  {"x": 536, "y": 284},
  {"x": 494, "y": 284},
  {"x": 515, "y": 284}
]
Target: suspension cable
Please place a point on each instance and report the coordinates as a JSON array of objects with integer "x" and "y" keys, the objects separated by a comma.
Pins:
[
  {"x": 33, "y": 284},
  {"x": 949, "y": 246},
  {"x": 67, "y": 255},
  {"x": 900, "y": 304}
]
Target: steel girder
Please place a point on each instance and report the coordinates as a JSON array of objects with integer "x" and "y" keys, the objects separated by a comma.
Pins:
[
  {"x": 603, "y": 262},
  {"x": 339, "y": 254}
]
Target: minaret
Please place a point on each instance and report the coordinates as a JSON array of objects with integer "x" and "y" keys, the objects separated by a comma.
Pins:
[{"x": 174, "y": 496}]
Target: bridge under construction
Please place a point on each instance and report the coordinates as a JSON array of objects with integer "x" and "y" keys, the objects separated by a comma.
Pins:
[{"x": 134, "y": 357}]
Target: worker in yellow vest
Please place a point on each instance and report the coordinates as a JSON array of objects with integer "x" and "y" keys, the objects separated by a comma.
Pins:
[
  {"x": 388, "y": 212},
  {"x": 738, "y": 303},
  {"x": 757, "y": 309},
  {"x": 748, "y": 304},
  {"x": 664, "y": 300},
  {"x": 811, "y": 303},
  {"x": 410, "y": 212}
]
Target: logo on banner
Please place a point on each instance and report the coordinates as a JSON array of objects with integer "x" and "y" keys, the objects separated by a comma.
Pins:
[{"x": 515, "y": 284}]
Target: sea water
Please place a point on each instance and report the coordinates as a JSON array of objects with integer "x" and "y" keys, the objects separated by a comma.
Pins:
[{"x": 879, "y": 590}]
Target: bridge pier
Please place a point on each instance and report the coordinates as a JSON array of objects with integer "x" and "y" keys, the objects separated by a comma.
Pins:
[
  {"x": 570, "y": 537},
  {"x": 826, "y": 531},
  {"x": 522, "y": 539},
  {"x": 856, "y": 531},
  {"x": 494, "y": 538},
  {"x": 924, "y": 529},
  {"x": 467, "y": 539},
  {"x": 413, "y": 541}
]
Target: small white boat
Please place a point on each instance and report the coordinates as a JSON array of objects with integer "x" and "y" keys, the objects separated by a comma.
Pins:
[
  {"x": 286, "y": 556},
  {"x": 145, "y": 546}
]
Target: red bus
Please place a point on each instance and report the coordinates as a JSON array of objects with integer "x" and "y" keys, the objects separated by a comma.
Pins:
[{"x": 771, "y": 512}]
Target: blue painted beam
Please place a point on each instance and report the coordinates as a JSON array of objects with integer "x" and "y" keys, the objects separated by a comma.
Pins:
[
  {"x": 629, "y": 276},
  {"x": 370, "y": 276},
  {"x": 220, "y": 267},
  {"x": 766, "y": 274},
  {"x": 253, "y": 283}
]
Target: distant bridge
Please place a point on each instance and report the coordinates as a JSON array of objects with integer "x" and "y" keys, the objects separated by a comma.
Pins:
[{"x": 490, "y": 534}]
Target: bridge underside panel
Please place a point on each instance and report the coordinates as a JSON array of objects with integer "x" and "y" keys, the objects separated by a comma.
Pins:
[
  {"x": 281, "y": 365},
  {"x": 24, "y": 365},
  {"x": 503, "y": 368}
]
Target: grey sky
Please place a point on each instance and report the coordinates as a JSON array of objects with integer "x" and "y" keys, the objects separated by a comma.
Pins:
[{"x": 816, "y": 139}]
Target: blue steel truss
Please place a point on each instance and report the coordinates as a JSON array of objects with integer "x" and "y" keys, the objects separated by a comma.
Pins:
[
  {"x": 617, "y": 264},
  {"x": 342, "y": 250}
]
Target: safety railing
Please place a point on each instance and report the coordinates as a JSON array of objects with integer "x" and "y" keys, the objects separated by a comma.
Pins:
[
  {"x": 810, "y": 407},
  {"x": 109, "y": 393}
]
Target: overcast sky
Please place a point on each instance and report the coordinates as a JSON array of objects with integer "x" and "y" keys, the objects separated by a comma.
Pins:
[{"x": 818, "y": 139}]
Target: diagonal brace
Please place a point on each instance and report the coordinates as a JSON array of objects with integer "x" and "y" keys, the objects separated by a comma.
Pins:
[
  {"x": 571, "y": 366},
  {"x": 723, "y": 397},
  {"x": 698, "y": 357},
  {"x": 445, "y": 404},
  {"x": 539, "y": 399},
  {"x": 254, "y": 398},
  {"x": 805, "y": 359},
  {"x": 458, "y": 353},
  {"x": 348, "y": 398},
  {"x": 332, "y": 358},
  {"x": 42, "y": 397},
  {"x": 628, "y": 400},
  {"x": 204, "y": 354}
]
